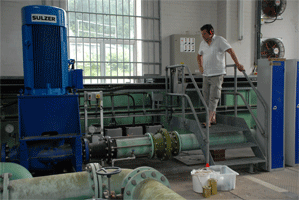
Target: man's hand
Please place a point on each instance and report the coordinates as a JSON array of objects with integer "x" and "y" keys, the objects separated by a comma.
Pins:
[
  {"x": 240, "y": 67},
  {"x": 199, "y": 62},
  {"x": 201, "y": 70},
  {"x": 235, "y": 59}
]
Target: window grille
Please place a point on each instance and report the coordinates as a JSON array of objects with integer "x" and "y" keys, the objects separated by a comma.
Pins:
[{"x": 115, "y": 41}]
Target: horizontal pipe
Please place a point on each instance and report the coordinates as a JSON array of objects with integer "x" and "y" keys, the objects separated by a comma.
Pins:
[
  {"x": 143, "y": 146},
  {"x": 71, "y": 185},
  {"x": 77, "y": 185},
  {"x": 126, "y": 146},
  {"x": 152, "y": 189}
]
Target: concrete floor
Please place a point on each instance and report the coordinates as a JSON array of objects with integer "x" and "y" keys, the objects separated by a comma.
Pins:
[{"x": 282, "y": 184}]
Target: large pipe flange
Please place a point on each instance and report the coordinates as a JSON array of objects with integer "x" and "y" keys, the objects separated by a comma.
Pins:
[
  {"x": 92, "y": 168},
  {"x": 111, "y": 151},
  {"x": 152, "y": 152},
  {"x": 133, "y": 173},
  {"x": 85, "y": 149},
  {"x": 176, "y": 143},
  {"x": 132, "y": 188},
  {"x": 163, "y": 148}
]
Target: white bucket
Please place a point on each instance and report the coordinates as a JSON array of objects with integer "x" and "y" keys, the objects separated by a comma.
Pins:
[{"x": 200, "y": 178}]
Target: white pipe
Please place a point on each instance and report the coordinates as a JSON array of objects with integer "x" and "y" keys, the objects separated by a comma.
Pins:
[{"x": 240, "y": 19}]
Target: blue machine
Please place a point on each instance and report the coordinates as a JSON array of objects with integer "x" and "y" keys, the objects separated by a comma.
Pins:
[
  {"x": 271, "y": 85},
  {"x": 49, "y": 121}
]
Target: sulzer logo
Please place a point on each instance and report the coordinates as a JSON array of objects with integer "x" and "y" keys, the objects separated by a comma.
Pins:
[{"x": 43, "y": 18}]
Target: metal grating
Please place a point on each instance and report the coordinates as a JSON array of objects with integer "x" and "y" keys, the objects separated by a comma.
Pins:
[{"x": 46, "y": 56}]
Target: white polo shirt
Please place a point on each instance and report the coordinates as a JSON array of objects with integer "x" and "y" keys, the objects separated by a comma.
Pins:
[{"x": 213, "y": 56}]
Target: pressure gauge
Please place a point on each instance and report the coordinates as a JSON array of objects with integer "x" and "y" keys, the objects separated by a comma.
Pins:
[
  {"x": 9, "y": 128},
  {"x": 92, "y": 129}
]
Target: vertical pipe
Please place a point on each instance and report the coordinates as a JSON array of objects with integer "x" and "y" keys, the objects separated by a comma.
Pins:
[
  {"x": 102, "y": 115},
  {"x": 258, "y": 30},
  {"x": 183, "y": 91},
  {"x": 160, "y": 38},
  {"x": 128, "y": 104},
  {"x": 85, "y": 112},
  {"x": 166, "y": 90},
  {"x": 235, "y": 91},
  {"x": 241, "y": 19}
]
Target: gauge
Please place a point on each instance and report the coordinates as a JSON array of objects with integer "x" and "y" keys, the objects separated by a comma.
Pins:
[
  {"x": 92, "y": 129},
  {"x": 9, "y": 128}
]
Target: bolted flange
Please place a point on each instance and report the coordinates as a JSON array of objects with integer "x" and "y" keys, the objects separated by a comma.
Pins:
[
  {"x": 133, "y": 173},
  {"x": 132, "y": 185}
]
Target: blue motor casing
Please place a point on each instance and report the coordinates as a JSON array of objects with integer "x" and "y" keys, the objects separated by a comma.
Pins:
[
  {"x": 49, "y": 120},
  {"x": 45, "y": 54}
]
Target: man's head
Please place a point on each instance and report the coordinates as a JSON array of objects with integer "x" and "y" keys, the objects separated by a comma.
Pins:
[{"x": 207, "y": 32}]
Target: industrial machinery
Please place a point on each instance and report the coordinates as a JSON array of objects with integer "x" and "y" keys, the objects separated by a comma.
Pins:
[
  {"x": 272, "y": 48},
  {"x": 273, "y": 8},
  {"x": 49, "y": 122}
]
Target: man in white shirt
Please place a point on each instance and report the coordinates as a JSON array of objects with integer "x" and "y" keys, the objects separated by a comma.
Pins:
[{"x": 211, "y": 62}]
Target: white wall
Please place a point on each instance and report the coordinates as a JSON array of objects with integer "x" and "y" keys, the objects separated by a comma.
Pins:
[
  {"x": 11, "y": 34},
  {"x": 287, "y": 29},
  {"x": 244, "y": 49},
  {"x": 178, "y": 17}
]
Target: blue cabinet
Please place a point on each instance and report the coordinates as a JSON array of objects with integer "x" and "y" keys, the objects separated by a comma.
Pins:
[{"x": 271, "y": 85}]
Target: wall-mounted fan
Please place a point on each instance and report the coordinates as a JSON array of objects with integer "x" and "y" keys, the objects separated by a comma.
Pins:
[
  {"x": 272, "y": 48},
  {"x": 273, "y": 8}
]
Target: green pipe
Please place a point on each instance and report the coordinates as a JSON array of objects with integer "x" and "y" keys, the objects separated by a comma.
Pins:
[
  {"x": 64, "y": 186},
  {"x": 125, "y": 146},
  {"x": 80, "y": 185},
  {"x": 17, "y": 171},
  {"x": 189, "y": 141},
  {"x": 71, "y": 185},
  {"x": 152, "y": 189}
]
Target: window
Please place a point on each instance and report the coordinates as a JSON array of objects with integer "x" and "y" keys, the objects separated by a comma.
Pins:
[{"x": 114, "y": 41}]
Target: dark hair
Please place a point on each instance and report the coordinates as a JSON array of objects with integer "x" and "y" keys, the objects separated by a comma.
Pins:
[{"x": 208, "y": 27}]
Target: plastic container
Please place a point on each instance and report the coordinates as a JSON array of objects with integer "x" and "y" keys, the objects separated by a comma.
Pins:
[
  {"x": 225, "y": 176},
  {"x": 200, "y": 178}
]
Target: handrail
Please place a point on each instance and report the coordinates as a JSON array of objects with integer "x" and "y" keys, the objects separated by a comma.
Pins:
[
  {"x": 205, "y": 138},
  {"x": 264, "y": 132},
  {"x": 262, "y": 101},
  {"x": 249, "y": 109},
  {"x": 188, "y": 98},
  {"x": 193, "y": 112}
]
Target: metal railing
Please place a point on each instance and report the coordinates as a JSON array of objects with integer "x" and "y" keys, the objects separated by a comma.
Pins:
[
  {"x": 183, "y": 67},
  {"x": 264, "y": 132}
]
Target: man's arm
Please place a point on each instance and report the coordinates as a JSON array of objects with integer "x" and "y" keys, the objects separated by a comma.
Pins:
[
  {"x": 199, "y": 61},
  {"x": 235, "y": 59}
]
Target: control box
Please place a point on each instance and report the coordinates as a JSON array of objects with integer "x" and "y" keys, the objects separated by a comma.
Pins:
[
  {"x": 184, "y": 50},
  {"x": 93, "y": 96}
]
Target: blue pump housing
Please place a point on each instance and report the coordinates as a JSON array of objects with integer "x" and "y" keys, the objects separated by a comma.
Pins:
[
  {"x": 49, "y": 120},
  {"x": 45, "y": 50}
]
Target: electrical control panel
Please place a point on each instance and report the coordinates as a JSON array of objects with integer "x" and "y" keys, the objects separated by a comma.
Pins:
[{"x": 184, "y": 49}]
